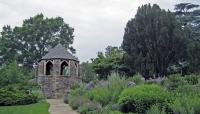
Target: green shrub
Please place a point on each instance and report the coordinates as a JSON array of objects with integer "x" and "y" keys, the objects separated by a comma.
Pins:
[
  {"x": 75, "y": 98},
  {"x": 174, "y": 81},
  {"x": 186, "y": 105},
  {"x": 140, "y": 98},
  {"x": 137, "y": 78},
  {"x": 101, "y": 95},
  {"x": 77, "y": 101},
  {"x": 89, "y": 107},
  {"x": 116, "y": 84},
  {"x": 109, "y": 92},
  {"x": 156, "y": 109},
  {"x": 189, "y": 90},
  {"x": 78, "y": 91},
  {"x": 11, "y": 73},
  {"x": 8, "y": 98},
  {"x": 115, "y": 112},
  {"x": 83, "y": 110},
  {"x": 105, "y": 110},
  {"x": 192, "y": 79},
  {"x": 38, "y": 93},
  {"x": 77, "y": 85},
  {"x": 150, "y": 82}
]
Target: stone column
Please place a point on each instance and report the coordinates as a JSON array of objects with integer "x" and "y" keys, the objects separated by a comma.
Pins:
[
  {"x": 40, "y": 68},
  {"x": 56, "y": 67}
]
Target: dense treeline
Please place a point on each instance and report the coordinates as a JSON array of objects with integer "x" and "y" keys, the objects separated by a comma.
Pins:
[
  {"x": 189, "y": 16},
  {"x": 156, "y": 43}
]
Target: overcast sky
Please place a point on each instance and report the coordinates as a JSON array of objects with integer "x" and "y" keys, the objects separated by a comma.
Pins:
[{"x": 97, "y": 23}]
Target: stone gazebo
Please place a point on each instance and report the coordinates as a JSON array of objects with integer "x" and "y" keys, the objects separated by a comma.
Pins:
[{"x": 57, "y": 71}]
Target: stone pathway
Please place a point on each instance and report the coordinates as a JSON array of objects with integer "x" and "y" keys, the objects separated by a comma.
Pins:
[{"x": 57, "y": 106}]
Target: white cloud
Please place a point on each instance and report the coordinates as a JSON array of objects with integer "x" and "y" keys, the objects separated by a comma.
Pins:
[{"x": 97, "y": 23}]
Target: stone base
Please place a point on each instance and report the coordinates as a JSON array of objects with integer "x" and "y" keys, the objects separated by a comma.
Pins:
[{"x": 55, "y": 86}]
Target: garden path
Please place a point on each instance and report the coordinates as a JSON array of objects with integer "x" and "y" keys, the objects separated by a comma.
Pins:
[{"x": 57, "y": 106}]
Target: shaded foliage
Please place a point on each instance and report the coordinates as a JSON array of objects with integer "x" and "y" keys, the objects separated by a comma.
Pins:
[
  {"x": 8, "y": 98},
  {"x": 153, "y": 41},
  {"x": 12, "y": 73},
  {"x": 87, "y": 72},
  {"x": 111, "y": 61},
  {"x": 188, "y": 15}
]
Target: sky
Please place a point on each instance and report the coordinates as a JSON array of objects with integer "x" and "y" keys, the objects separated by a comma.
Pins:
[{"x": 97, "y": 23}]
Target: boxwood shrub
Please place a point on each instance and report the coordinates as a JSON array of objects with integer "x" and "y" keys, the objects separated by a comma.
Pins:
[
  {"x": 8, "y": 98},
  {"x": 140, "y": 98}
]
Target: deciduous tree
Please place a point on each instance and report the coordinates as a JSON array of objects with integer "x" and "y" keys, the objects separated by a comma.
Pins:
[{"x": 32, "y": 40}]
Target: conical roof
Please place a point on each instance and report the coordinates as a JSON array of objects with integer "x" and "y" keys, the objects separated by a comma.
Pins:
[{"x": 59, "y": 52}]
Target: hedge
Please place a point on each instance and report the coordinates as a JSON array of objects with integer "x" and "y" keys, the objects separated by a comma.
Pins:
[{"x": 8, "y": 98}]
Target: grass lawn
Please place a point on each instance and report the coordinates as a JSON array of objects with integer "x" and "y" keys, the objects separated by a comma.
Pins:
[{"x": 38, "y": 108}]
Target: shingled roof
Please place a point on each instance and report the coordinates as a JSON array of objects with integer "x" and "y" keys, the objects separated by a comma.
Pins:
[{"x": 59, "y": 52}]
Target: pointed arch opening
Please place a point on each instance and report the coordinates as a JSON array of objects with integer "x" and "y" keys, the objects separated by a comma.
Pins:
[
  {"x": 64, "y": 69},
  {"x": 49, "y": 68}
]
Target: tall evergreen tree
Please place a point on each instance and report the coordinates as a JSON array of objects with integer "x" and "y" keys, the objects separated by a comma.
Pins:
[
  {"x": 188, "y": 15},
  {"x": 153, "y": 41}
]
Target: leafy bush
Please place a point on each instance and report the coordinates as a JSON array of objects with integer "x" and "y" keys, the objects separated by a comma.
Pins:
[
  {"x": 77, "y": 85},
  {"x": 156, "y": 109},
  {"x": 11, "y": 73},
  {"x": 174, "y": 81},
  {"x": 87, "y": 72},
  {"x": 186, "y": 105},
  {"x": 38, "y": 93},
  {"x": 189, "y": 90},
  {"x": 89, "y": 107},
  {"x": 137, "y": 78},
  {"x": 101, "y": 95},
  {"x": 78, "y": 91},
  {"x": 140, "y": 98},
  {"x": 106, "y": 110},
  {"x": 75, "y": 97},
  {"x": 192, "y": 79},
  {"x": 8, "y": 98},
  {"x": 23, "y": 87},
  {"x": 116, "y": 84},
  {"x": 109, "y": 92},
  {"x": 76, "y": 102}
]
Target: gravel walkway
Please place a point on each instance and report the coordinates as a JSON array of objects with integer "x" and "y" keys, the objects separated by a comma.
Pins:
[{"x": 57, "y": 106}]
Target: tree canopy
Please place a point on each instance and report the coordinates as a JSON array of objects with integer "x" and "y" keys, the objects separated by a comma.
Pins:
[
  {"x": 111, "y": 61},
  {"x": 87, "y": 72},
  {"x": 31, "y": 41},
  {"x": 188, "y": 15},
  {"x": 153, "y": 41}
]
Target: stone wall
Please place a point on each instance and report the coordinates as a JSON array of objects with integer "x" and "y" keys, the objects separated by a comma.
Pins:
[{"x": 56, "y": 85}]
